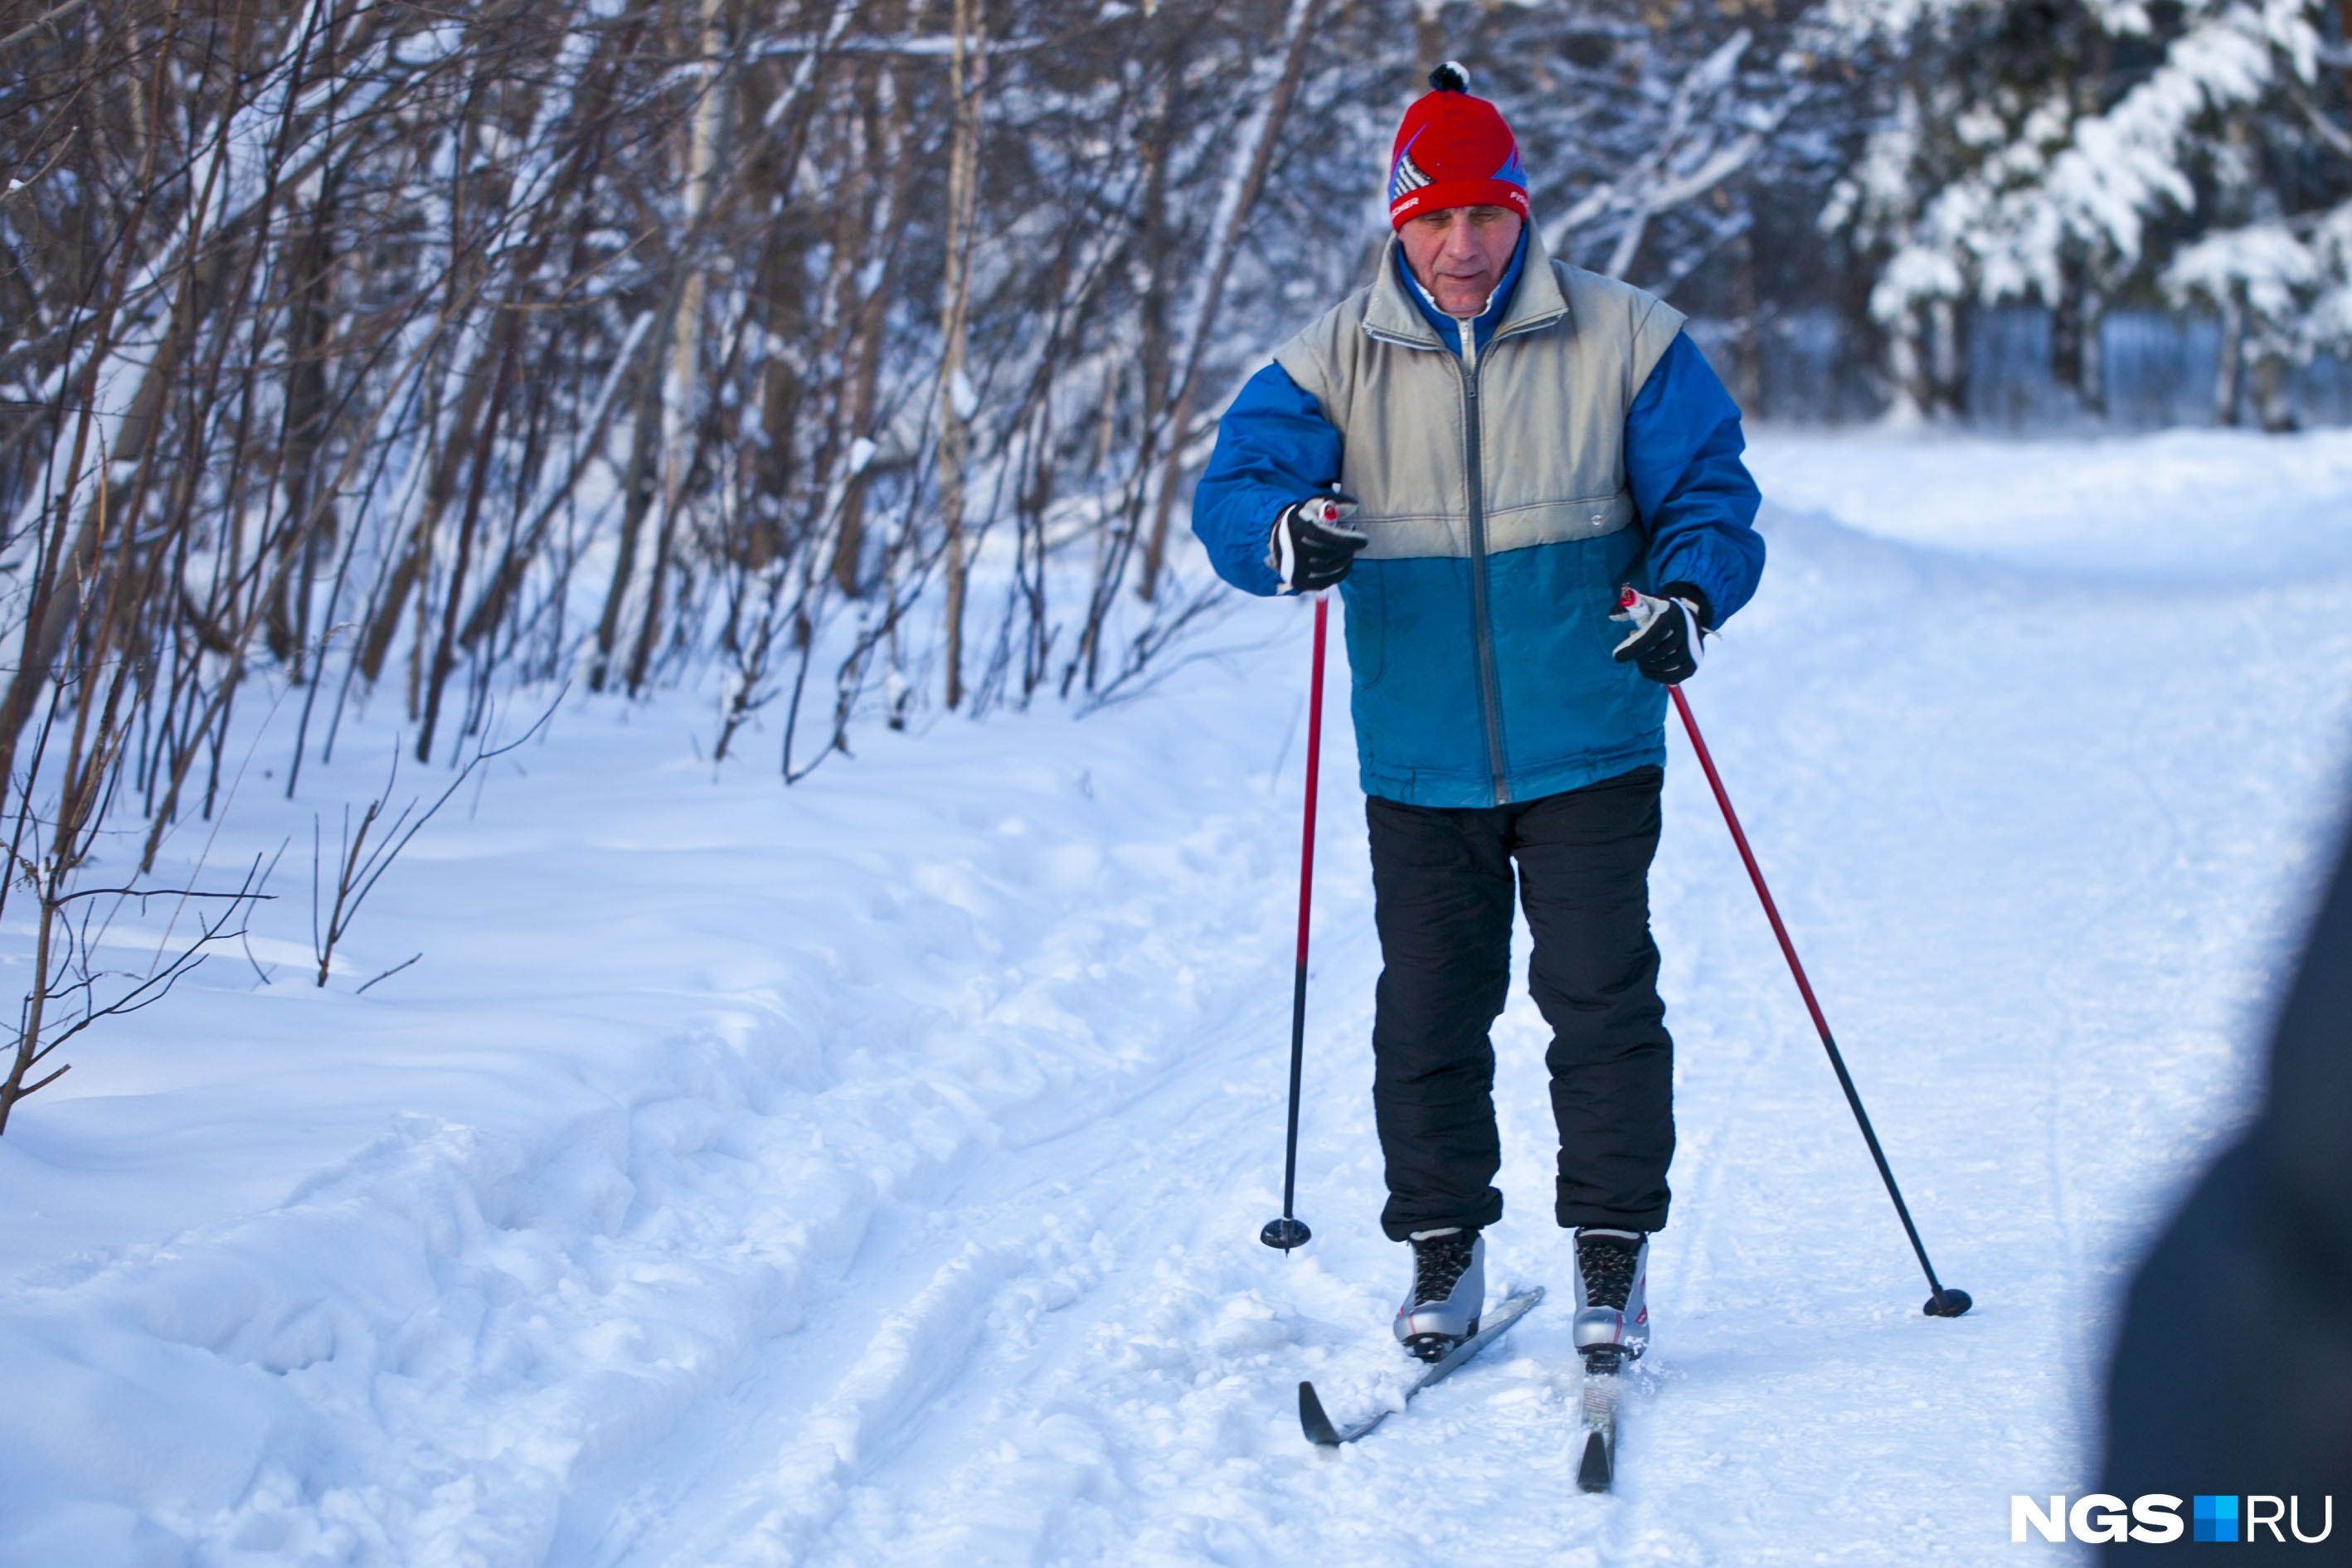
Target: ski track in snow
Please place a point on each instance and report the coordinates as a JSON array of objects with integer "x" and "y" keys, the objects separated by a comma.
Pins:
[{"x": 870, "y": 1173}]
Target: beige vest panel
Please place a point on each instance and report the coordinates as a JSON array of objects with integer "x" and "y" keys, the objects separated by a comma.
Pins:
[{"x": 1554, "y": 385}]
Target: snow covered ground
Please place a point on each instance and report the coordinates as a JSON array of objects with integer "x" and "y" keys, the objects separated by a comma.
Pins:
[{"x": 869, "y": 1173}]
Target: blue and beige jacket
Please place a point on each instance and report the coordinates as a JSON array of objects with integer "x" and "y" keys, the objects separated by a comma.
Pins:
[{"x": 1578, "y": 441}]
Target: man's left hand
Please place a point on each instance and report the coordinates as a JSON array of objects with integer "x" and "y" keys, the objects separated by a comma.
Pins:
[{"x": 1668, "y": 638}]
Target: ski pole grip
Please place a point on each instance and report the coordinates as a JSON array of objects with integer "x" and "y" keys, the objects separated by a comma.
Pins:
[{"x": 1634, "y": 605}]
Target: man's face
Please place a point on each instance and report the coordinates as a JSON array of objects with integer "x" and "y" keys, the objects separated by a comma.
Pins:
[{"x": 1459, "y": 253}]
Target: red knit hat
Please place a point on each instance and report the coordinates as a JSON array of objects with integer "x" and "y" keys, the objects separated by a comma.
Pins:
[{"x": 1453, "y": 150}]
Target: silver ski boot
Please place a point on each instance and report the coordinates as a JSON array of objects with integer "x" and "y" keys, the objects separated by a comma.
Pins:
[
  {"x": 1613, "y": 1316},
  {"x": 1442, "y": 1305}
]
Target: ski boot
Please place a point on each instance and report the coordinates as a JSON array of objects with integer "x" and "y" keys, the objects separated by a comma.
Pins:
[
  {"x": 1612, "y": 1317},
  {"x": 1448, "y": 1291}
]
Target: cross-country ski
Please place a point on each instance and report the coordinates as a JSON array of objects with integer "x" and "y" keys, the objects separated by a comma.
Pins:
[
  {"x": 1320, "y": 1427},
  {"x": 1596, "y": 1464}
]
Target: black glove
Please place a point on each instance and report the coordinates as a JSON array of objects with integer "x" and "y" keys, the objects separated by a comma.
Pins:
[
  {"x": 1313, "y": 545},
  {"x": 1667, "y": 641}
]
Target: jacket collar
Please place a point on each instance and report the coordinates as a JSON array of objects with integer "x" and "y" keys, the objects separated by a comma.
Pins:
[{"x": 1391, "y": 312}]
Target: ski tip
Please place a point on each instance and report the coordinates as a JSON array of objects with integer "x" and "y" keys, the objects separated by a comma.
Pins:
[
  {"x": 1311, "y": 1420},
  {"x": 1949, "y": 1302},
  {"x": 1593, "y": 1474}
]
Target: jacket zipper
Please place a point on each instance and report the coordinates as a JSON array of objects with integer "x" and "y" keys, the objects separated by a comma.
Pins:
[{"x": 1490, "y": 700}]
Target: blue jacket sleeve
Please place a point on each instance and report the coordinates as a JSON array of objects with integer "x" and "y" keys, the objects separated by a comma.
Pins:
[
  {"x": 1682, "y": 457},
  {"x": 1273, "y": 448}
]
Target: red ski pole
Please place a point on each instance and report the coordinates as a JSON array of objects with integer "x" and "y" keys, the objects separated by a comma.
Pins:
[
  {"x": 1946, "y": 1303},
  {"x": 1288, "y": 1232}
]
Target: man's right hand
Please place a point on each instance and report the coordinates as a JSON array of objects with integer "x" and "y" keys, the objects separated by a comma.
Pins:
[
  {"x": 1313, "y": 545},
  {"x": 1669, "y": 634}
]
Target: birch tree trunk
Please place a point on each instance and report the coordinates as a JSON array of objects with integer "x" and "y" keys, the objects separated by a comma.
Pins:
[
  {"x": 891, "y": 171},
  {"x": 967, "y": 73},
  {"x": 1240, "y": 201},
  {"x": 681, "y": 398}
]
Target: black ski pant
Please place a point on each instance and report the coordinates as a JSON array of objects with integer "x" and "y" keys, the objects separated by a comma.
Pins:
[{"x": 1441, "y": 880}]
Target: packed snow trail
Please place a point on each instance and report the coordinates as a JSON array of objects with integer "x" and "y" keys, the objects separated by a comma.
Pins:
[{"x": 870, "y": 1173}]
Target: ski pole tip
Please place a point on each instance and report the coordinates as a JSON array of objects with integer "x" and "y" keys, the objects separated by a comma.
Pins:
[
  {"x": 1285, "y": 1233},
  {"x": 1949, "y": 1302}
]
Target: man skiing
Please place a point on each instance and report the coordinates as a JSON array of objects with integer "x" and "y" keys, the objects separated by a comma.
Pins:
[{"x": 1477, "y": 449}]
